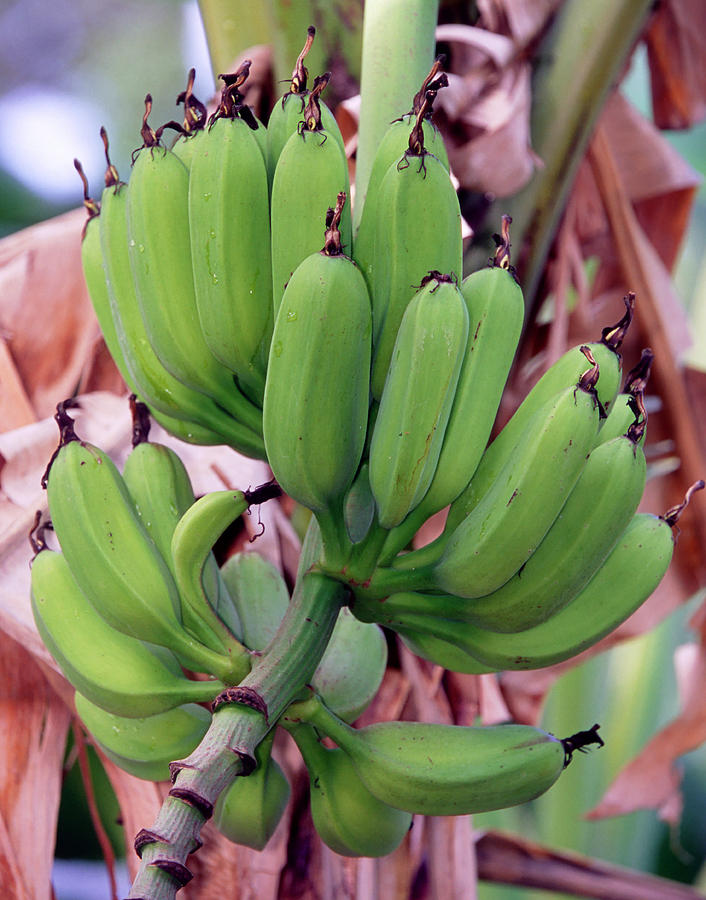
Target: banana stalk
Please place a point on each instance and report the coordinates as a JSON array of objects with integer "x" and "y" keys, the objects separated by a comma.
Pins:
[{"x": 228, "y": 749}]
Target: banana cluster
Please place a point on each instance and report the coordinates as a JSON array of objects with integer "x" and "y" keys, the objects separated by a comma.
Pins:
[
  {"x": 134, "y": 603},
  {"x": 242, "y": 309}
]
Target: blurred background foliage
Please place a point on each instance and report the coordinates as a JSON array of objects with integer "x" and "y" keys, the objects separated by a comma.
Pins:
[{"x": 69, "y": 67}]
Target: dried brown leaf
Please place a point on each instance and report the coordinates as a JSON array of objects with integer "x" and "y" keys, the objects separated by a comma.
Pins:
[
  {"x": 33, "y": 728},
  {"x": 652, "y": 779},
  {"x": 523, "y": 21},
  {"x": 41, "y": 284},
  {"x": 509, "y": 859},
  {"x": 676, "y": 52}
]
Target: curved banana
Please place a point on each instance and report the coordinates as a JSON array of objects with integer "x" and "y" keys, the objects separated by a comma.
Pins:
[
  {"x": 496, "y": 312},
  {"x": 416, "y": 230},
  {"x": 229, "y": 226},
  {"x": 630, "y": 573},
  {"x": 170, "y": 401},
  {"x": 111, "y": 555},
  {"x": 316, "y": 397},
  {"x": 248, "y": 811},
  {"x": 448, "y": 770},
  {"x": 161, "y": 490},
  {"x": 506, "y": 527},
  {"x": 115, "y": 671},
  {"x": 94, "y": 274},
  {"x": 597, "y": 512},
  {"x": 288, "y": 111},
  {"x": 311, "y": 172},
  {"x": 145, "y": 746},
  {"x": 192, "y": 541},
  {"x": 566, "y": 371},
  {"x": 347, "y": 817},
  {"x": 159, "y": 249},
  {"x": 417, "y": 399}
]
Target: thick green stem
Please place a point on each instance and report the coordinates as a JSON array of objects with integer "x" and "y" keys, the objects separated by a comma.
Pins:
[
  {"x": 231, "y": 27},
  {"x": 580, "y": 61},
  {"x": 228, "y": 748},
  {"x": 398, "y": 50}
]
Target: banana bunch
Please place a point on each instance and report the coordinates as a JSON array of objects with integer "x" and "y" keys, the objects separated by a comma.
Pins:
[
  {"x": 241, "y": 308},
  {"x": 115, "y": 605}
]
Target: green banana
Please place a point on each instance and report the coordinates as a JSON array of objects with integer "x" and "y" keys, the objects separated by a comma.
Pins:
[
  {"x": 145, "y": 746},
  {"x": 311, "y": 172},
  {"x": 352, "y": 667},
  {"x": 260, "y": 597},
  {"x": 416, "y": 230},
  {"x": 596, "y": 513},
  {"x": 159, "y": 249},
  {"x": 170, "y": 401},
  {"x": 288, "y": 111},
  {"x": 315, "y": 431},
  {"x": 391, "y": 149},
  {"x": 566, "y": 371},
  {"x": 416, "y": 403},
  {"x": 111, "y": 555},
  {"x": 229, "y": 224},
  {"x": 630, "y": 573},
  {"x": 161, "y": 490},
  {"x": 347, "y": 817},
  {"x": 448, "y": 770},
  {"x": 192, "y": 541},
  {"x": 94, "y": 274},
  {"x": 502, "y": 532},
  {"x": 496, "y": 312},
  {"x": 113, "y": 670},
  {"x": 248, "y": 811}
]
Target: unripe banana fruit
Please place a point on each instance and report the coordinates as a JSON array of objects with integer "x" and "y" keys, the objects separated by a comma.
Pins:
[
  {"x": 448, "y": 770},
  {"x": 508, "y": 524},
  {"x": 229, "y": 222},
  {"x": 352, "y": 667},
  {"x": 311, "y": 172},
  {"x": 248, "y": 811},
  {"x": 110, "y": 553},
  {"x": 417, "y": 399},
  {"x": 115, "y": 671},
  {"x": 417, "y": 229},
  {"x": 347, "y": 817},
  {"x": 288, "y": 111},
  {"x": 316, "y": 398}
]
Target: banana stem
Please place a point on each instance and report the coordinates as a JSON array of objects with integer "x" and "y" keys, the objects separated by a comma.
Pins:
[
  {"x": 398, "y": 50},
  {"x": 384, "y": 582},
  {"x": 228, "y": 748},
  {"x": 231, "y": 27}
]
